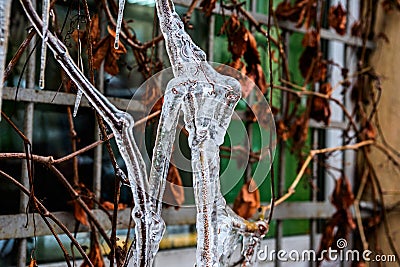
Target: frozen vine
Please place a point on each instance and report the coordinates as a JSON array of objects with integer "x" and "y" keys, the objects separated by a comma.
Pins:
[
  {"x": 121, "y": 124},
  {"x": 5, "y": 7},
  {"x": 207, "y": 100}
]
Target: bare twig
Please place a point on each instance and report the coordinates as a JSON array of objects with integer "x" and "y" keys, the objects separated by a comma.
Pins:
[
  {"x": 44, "y": 212},
  {"x": 291, "y": 190}
]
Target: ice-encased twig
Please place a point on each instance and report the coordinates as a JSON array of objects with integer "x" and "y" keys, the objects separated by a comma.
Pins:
[
  {"x": 209, "y": 100},
  {"x": 5, "y": 8},
  {"x": 121, "y": 7},
  {"x": 121, "y": 123},
  {"x": 43, "y": 56}
]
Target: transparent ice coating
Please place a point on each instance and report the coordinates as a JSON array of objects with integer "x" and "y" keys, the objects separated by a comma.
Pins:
[
  {"x": 207, "y": 100},
  {"x": 43, "y": 56},
  {"x": 5, "y": 7},
  {"x": 121, "y": 7},
  {"x": 121, "y": 124}
]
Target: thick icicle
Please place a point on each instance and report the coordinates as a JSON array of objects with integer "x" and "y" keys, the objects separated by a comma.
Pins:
[
  {"x": 208, "y": 103},
  {"x": 5, "y": 7},
  {"x": 121, "y": 7},
  {"x": 43, "y": 56}
]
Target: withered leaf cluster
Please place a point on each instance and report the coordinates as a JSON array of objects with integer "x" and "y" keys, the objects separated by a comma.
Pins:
[
  {"x": 79, "y": 213},
  {"x": 320, "y": 110},
  {"x": 302, "y": 12},
  {"x": 337, "y": 18},
  {"x": 245, "y": 56},
  {"x": 247, "y": 201},
  {"x": 208, "y": 6},
  {"x": 103, "y": 49},
  {"x": 95, "y": 254},
  {"x": 341, "y": 223}
]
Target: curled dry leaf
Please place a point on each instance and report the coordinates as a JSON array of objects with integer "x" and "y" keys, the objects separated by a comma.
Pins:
[
  {"x": 299, "y": 131},
  {"x": 302, "y": 12},
  {"x": 263, "y": 114},
  {"x": 94, "y": 32},
  {"x": 104, "y": 50},
  {"x": 248, "y": 200},
  {"x": 110, "y": 206},
  {"x": 356, "y": 29},
  {"x": 337, "y": 18},
  {"x": 341, "y": 223},
  {"x": 311, "y": 39},
  {"x": 282, "y": 130},
  {"x": 311, "y": 65},
  {"x": 242, "y": 44},
  {"x": 33, "y": 263},
  {"x": 94, "y": 255},
  {"x": 79, "y": 213},
  {"x": 174, "y": 194},
  {"x": 320, "y": 109},
  {"x": 208, "y": 6}
]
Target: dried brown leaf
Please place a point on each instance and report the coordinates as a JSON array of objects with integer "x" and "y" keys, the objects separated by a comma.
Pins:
[
  {"x": 299, "y": 131},
  {"x": 104, "y": 50},
  {"x": 342, "y": 196},
  {"x": 248, "y": 200},
  {"x": 320, "y": 109},
  {"x": 263, "y": 114},
  {"x": 94, "y": 32},
  {"x": 94, "y": 255},
  {"x": 356, "y": 29},
  {"x": 208, "y": 6},
  {"x": 341, "y": 223},
  {"x": 337, "y": 18},
  {"x": 79, "y": 213},
  {"x": 33, "y": 263},
  {"x": 282, "y": 130},
  {"x": 311, "y": 39},
  {"x": 110, "y": 206},
  {"x": 285, "y": 10},
  {"x": 241, "y": 43},
  {"x": 307, "y": 12}
]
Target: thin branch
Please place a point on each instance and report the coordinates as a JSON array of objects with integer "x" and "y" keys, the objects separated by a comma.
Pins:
[
  {"x": 110, "y": 136},
  {"x": 44, "y": 212},
  {"x": 356, "y": 205},
  {"x": 291, "y": 190}
]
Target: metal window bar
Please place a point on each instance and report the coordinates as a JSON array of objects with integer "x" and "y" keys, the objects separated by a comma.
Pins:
[{"x": 11, "y": 225}]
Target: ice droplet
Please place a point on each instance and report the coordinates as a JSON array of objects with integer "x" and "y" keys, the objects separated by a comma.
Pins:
[
  {"x": 43, "y": 56},
  {"x": 121, "y": 6}
]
